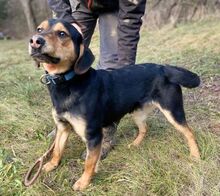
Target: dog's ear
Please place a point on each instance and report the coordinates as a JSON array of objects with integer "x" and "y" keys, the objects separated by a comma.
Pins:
[{"x": 84, "y": 61}]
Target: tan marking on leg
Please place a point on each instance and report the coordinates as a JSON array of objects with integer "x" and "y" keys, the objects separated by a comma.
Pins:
[
  {"x": 63, "y": 131},
  {"x": 89, "y": 169},
  {"x": 140, "y": 136},
  {"x": 185, "y": 130},
  {"x": 139, "y": 117},
  {"x": 98, "y": 161}
]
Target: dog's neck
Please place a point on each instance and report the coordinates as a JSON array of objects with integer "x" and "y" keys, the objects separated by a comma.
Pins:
[
  {"x": 58, "y": 78},
  {"x": 68, "y": 93}
]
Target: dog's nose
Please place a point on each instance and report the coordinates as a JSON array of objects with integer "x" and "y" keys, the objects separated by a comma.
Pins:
[{"x": 37, "y": 42}]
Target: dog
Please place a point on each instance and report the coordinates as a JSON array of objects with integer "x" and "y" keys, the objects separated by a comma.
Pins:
[{"x": 88, "y": 100}]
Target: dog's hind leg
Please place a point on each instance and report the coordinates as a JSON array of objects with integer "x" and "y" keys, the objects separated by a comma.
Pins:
[
  {"x": 140, "y": 120},
  {"x": 139, "y": 117},
  {"x": 176, "y": 116}
]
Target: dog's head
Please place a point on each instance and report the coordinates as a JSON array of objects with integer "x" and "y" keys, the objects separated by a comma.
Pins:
[{"x": 58, "y": 46}]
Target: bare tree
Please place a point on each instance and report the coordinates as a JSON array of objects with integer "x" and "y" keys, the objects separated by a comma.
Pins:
[
  {"x": 26, "y": 5},
  {"x": 161, "y": 12}
]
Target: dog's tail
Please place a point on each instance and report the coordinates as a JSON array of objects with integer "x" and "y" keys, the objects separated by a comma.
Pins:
[{"x": 181, "y": 76}]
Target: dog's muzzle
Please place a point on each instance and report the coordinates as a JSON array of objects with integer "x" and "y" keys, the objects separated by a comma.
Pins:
[{"x": 36, "y": 44}]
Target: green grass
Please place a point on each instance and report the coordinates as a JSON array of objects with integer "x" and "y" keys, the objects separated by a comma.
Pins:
[{"x": 160, "y": 166}]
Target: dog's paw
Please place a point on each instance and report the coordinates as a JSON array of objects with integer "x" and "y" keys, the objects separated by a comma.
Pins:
[
  {"x": 80, "y": 185},
  {"x": 49, "y": 167},
  {"x": 137, "y": 140},
  {"x": 134, "y": 144},
  {"x": 130, "y": 145},
  {"x": 194, "y": 153},
  {"x": 195, "y": 156}
]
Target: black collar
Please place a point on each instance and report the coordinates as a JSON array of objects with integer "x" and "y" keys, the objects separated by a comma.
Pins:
[{"x": 57, "y": 78}]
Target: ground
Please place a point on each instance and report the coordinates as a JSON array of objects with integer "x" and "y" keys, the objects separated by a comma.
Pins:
[{"x": 160, "y": 166}]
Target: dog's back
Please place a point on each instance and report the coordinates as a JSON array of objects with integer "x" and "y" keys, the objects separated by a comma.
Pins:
[
  {"x": 127, "y": 89},
  {"x": 140, "y": 88}
]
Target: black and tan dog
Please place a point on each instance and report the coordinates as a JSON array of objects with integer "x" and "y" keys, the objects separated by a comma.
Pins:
[{"x": 89, "y": 100}]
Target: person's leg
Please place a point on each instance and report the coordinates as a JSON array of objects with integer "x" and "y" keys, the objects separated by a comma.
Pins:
[
  {"x": 108, "y": 23},
  {"x": 130, "y": 13},
  {"x": 109, "y": 140},
  {"x": 108, "y": 60},
  {"x": 108, "y": 54}
]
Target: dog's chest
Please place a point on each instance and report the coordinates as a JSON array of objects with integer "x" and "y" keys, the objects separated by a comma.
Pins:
[{"x": 78, "y": 123}]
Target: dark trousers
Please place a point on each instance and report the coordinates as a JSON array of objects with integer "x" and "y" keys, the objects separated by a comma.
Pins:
[
  {"x": 129, "y": 23},
  {"x": 119, "y": 31}
]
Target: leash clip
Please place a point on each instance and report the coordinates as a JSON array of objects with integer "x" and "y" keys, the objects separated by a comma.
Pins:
[{"x": 44, "y": 79}]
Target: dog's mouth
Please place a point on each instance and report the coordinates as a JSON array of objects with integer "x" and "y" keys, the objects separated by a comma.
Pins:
[{"x": 44, "y": 58}]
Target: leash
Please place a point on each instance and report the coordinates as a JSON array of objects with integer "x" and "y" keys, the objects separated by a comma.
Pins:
[{"x": 28, "y": 181}]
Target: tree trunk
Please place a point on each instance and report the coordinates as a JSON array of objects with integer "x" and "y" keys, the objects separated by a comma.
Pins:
[
  {"x": 26, "y": 5},
  {"x": 162, "y": 12}
]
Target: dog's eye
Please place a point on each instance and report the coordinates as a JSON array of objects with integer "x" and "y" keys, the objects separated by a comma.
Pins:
[
  {"x": 39, "y": 30},
  {"x": 61, "y": 34}
]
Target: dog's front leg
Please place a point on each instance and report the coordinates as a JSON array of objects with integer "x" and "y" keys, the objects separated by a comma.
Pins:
[
  {"x": 63, "y": 131},
  {"x": 93, "y": 155}
]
